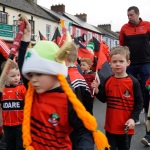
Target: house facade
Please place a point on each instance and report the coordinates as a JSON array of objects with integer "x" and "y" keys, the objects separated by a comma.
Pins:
[
  {"x": 38, "y": 18},
  {"x": 46, "y": 21}
]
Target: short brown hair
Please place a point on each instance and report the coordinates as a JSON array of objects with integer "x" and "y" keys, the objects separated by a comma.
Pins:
[
  {"x": 136, "y": 10},
  {"x": 123, "y": 50},
  {"x": 88, "y": 61}
]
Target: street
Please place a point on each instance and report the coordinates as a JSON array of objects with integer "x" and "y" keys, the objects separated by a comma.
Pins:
[{"x": 99, "y": 113}]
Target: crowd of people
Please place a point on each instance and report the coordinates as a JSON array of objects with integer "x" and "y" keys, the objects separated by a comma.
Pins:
[{"x": 47, "y": 103}]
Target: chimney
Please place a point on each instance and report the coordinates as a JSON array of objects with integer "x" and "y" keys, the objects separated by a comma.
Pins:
[
  {"x": 82, "y": 16},
  {"x": 105, "y": 26},
  {"x": 58, "y": 8},
  {"x": 35, "y": 1}
]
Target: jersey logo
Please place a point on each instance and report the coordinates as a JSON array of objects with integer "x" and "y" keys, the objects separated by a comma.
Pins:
[
  {"x": 17, "y": 93},
  {"x": 141, "y": 28},
  {"x": 54, "y": 119},
  {"x": 127, "y": 94}
]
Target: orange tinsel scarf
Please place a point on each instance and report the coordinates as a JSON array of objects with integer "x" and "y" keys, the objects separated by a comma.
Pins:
[{"x": 88, "y": 120}]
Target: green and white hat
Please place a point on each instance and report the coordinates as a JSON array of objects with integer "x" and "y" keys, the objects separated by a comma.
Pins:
[
  {"x": 41, "y": 59},
  {"x": 90, "y": 46}
]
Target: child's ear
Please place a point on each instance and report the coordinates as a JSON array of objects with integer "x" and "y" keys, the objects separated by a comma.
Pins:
[{"x": 129, "y": 62}]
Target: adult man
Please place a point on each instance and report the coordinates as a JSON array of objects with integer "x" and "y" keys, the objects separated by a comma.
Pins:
[{"x": 136, "y": 35}]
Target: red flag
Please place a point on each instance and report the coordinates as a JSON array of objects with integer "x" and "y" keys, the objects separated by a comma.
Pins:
[
  {"x": 57, "y": 38},
  {"x": 4, "y": 49},
  {"x": 41, "y": 36},
  {"x": 103, "y": 55},
  {"x": 103, "y": 67},
  {"x": 84, "y": 53}
]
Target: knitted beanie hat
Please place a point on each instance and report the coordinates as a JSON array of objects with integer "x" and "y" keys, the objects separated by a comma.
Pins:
[
  {"x": 41, "y": 59},
  {"x": 90, "y": 46}
]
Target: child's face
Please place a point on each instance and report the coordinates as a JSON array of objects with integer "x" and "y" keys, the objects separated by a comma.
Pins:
[
  {"x": 13, "y": 76},
  {"x": 84, "y": 66},
  {"x": 43, "y": 82},
  {"x": 119, "y": 64}
]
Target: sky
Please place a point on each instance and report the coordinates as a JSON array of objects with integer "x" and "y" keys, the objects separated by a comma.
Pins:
[{"x": 112, "y": 12}]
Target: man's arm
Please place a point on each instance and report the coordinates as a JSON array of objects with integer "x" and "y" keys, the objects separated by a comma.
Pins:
[{"x": 121, "y": 37}]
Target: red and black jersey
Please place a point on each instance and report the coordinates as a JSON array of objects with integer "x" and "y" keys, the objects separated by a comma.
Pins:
[
  {"x": 52, "y": 120},
  {"x": 137, "y": 39},
  {"x": 89, "y": 77},
  {"x": 12, "y": 102},
  {"x": 124, "y": 101},
  {"x": 81, "y": 88}
]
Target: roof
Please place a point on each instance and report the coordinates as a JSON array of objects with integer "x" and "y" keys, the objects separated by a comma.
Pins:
[
  {"x": 27, "y": 6},
  {"x": 57, "y": 15},
  {"x": 82, "y": 23},
  {"x": 107, "y": 33}
]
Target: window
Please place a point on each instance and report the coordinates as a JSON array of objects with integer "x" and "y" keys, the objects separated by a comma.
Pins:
[
  {"x": 77, "y": 32},
  {"x": 70, "y": 30},
  {"x": 106, "y": 41},
  {"x": 3, "y": 17},
  {"x": 89, "y": 36},
  {"x": 32, "y": 30},
  {"x": 48, "y": 29},
  {"x": 15, "y": 27},
  {"x": 96, "y": 36}
]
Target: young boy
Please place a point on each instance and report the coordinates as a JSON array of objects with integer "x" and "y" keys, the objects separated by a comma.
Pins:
[
  {"x": 79, "y": 86},
  {"x": 88, "y": 74},
  {"x": 124, "y": 100},
  {"x": 77, "y": 81},
  {"x": 51, "y": 108},
  {"x": 12, "y": 103}
]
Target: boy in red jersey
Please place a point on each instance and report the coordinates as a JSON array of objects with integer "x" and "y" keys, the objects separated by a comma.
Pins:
[
  {"x": 88, "y": 74},
  {"x": 51, "y": 108},
  {"x": 12, "y": 103},
  {"x": 124, "y": 100}
]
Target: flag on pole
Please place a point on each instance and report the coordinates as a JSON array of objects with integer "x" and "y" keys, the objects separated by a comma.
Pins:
[
  {"x": 58, "y": 38},
  {"x": 41, "y": 36},
  {"x": 103, "y": 68}
]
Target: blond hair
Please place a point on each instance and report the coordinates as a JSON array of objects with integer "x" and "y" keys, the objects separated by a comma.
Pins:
[
  {"x": 122, "y": 50},
  {"x": 88, "y": 61},
  {"x": 72, "y": 56}
]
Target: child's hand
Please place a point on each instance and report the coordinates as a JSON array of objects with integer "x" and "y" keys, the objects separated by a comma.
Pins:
[
  {"x": 94, "y": 86},
  {"x": 130, "y": 124},
  {"x": 27, "y": 31}
]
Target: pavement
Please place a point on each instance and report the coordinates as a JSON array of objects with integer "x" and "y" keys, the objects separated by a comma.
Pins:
[{"x": 99, "y": 113}]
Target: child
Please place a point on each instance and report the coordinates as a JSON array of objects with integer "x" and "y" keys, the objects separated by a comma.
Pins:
[
  {"x": 78, "y": 82},
  {"x": 79, "y": 86},
  {"x": 146, "y": 139},
  {"x": 12, "y": 103},
  {"x": 51, "y": 108},
  {"x": 124, "y": 100},
  {"x": 88, "y": 74}
]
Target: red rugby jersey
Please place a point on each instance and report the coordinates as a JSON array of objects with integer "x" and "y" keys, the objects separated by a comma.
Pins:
[
  {"x": 12, "y": 102},
  {"x": 124, "y": 101}
]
